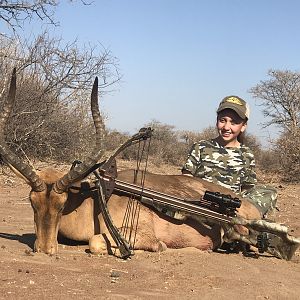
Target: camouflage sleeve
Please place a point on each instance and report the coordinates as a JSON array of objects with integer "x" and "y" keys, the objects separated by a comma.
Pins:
[
  {"x": 249, "y": 180},
  {"x": 193, "y": 160}
]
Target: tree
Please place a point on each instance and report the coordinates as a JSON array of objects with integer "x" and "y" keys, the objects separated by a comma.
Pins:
[
  {"x": 280, "y": 96},
  {"x": 51, "y": 115},
  {"x": 64, "y": 68},
  {"x": 14, "y": 13}
]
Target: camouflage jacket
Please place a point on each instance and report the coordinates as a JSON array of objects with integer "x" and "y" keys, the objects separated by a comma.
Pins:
[{"x": 226, "y": 166}]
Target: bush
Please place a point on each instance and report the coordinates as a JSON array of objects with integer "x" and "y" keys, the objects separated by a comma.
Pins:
[
  {"x": 190, "y": 137},
  {"x": 51, "y": 118},
  {"x": 44, "y": 128},
  {"x": 288, "y": 154},
  {"x": 253, "y": 143},
  {"x": 268, "y": 161}
]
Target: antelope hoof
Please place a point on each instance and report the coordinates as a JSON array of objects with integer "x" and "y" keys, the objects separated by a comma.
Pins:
[
  {"x": 162, "y": 246},
  {"x": 97, "y": 244}
]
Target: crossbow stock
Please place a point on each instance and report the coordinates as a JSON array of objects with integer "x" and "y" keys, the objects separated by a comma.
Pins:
[{"x": 214, "y": 208}]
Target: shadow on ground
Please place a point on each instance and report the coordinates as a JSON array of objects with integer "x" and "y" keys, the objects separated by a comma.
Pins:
[{"x": 27, "y": 238}]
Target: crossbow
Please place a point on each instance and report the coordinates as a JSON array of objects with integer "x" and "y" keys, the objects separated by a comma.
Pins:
[{"x": 213, "y": 208}]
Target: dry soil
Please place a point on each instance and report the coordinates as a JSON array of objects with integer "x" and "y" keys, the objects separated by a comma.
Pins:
[{"x": 174, "y": 274}]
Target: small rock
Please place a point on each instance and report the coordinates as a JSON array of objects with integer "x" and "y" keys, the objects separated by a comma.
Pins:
[
  {"x": 115, "y": 274},
  {"x": 28, "y": 252},
  {"x": 9, "y": 182}
]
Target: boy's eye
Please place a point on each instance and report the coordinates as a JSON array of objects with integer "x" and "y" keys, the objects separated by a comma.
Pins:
[{"x": 236, "y": 122}]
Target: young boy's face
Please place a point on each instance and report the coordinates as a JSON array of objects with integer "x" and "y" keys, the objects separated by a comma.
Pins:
[{"x": 230, "y": 125}]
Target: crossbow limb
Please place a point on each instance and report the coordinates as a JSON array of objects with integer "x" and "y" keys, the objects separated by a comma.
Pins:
[{"x": 108, "y": 167}]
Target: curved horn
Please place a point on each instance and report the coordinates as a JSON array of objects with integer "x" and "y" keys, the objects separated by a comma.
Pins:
[
  {"x": 7, "y": 155},
  {"x": 97, "y": 118},
  {"x": 82, "y": 170}
]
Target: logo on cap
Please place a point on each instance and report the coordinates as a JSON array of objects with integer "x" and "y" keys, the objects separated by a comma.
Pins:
[{"x": 234, "y": 100}]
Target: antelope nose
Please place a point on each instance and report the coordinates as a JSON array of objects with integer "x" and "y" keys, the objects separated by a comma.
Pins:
[{"x": 50, "y": 249}]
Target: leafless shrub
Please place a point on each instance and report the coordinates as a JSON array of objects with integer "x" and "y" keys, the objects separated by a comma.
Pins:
[
  {"x": 165, "y": 144},
  {"x": 114, "y": 139},
  {"x": 190, "y": 137},
  {"x": 268, "y": 161},
  {"x": 254, "y": 144},
  {"x": 280, "y": 98},
  {"x": 288, "y": 153},
  {"x": 51, "y": 118},
  {"x": 66, "y": 70},
  {"x": 15, "y": 13}
]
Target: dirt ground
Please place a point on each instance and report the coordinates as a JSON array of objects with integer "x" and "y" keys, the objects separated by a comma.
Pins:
[{"x": 174, "y": 274}]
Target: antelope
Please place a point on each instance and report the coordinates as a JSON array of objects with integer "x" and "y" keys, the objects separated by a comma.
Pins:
[{"x": 60, "y": 208}]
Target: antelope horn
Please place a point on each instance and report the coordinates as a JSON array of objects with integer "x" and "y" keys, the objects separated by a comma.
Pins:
[
  {"x": 82, "y": 170},
  {"x": 18, "y": 167}
]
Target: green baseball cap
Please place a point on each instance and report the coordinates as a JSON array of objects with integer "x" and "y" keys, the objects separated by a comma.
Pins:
[{"x": 237, "y": 104}]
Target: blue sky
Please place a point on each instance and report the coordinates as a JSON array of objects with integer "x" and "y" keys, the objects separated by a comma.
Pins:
[{"x": 180, "y": 58}]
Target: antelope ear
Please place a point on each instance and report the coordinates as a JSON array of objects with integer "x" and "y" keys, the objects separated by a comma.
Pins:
[{"x": 76, "y": 186}]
